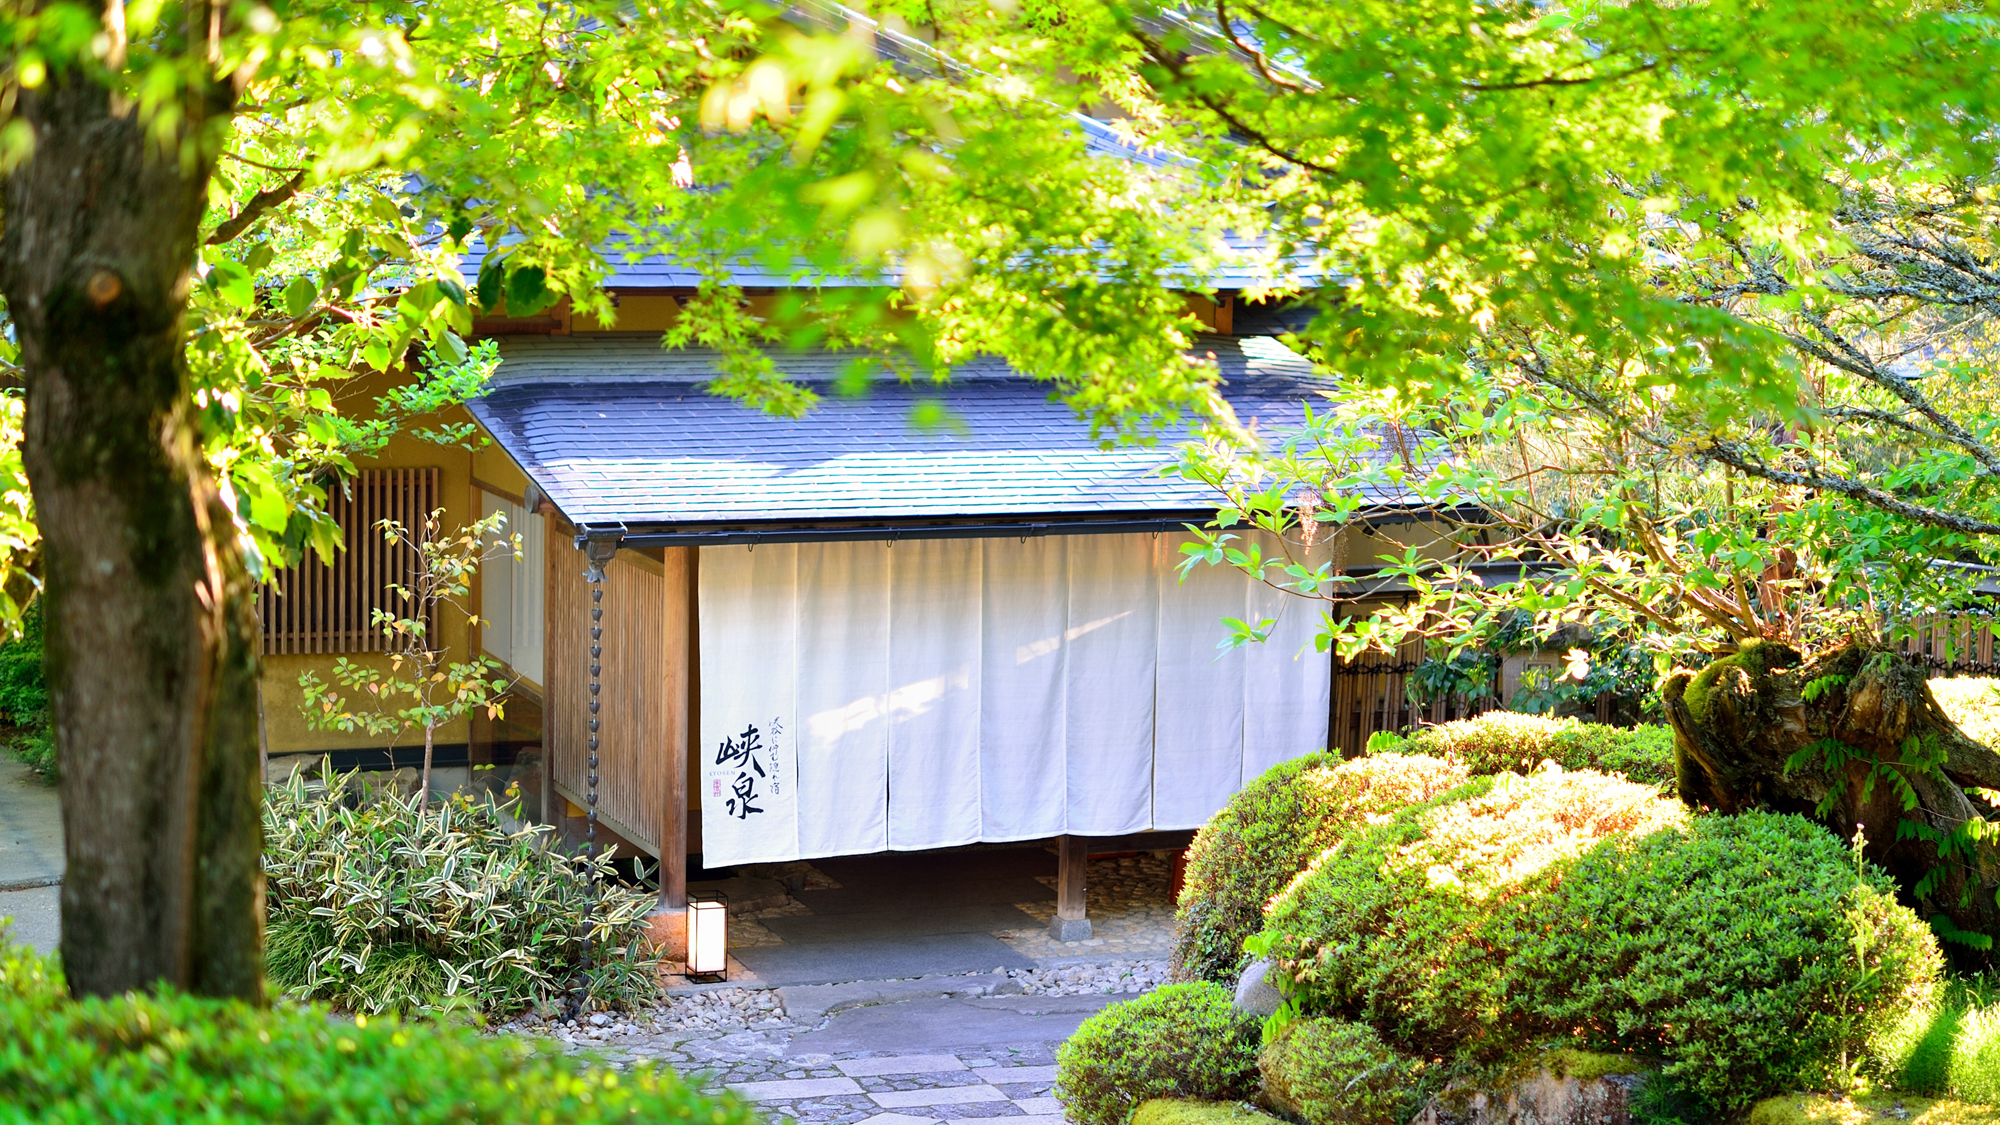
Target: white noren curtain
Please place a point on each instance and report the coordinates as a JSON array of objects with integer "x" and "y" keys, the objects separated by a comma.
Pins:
[{"x": 861, "y": 697}]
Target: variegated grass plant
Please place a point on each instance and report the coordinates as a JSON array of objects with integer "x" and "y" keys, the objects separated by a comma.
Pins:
[{"x": 377, "y": 903}]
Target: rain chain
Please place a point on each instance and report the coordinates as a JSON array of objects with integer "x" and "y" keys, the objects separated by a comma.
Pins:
[{"x": 599, "y": 552}]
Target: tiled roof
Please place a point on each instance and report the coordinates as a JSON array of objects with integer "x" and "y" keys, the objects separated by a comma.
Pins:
[
  {"x": 619, "y": 430},
  {"x": 1242, "y": 261}
]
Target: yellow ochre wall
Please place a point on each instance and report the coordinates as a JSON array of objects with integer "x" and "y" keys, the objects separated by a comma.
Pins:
[{"x": 285, "y": 726}]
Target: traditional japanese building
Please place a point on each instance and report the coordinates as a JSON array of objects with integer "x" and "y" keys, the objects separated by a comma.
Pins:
[{"x": 842, "y": 634}]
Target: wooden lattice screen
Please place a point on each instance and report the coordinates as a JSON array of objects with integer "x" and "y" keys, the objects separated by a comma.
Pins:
[{"x": 316, "y": 608}]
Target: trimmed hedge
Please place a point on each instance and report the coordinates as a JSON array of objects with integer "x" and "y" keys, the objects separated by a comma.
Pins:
[
  {"x": 1267, "y": 834},
  {"x": 1390, "y": 928},
  {"x": 1180, "y": 1041},
  {"x": 1333, "y": 1072},
  {"x": 1569, "y": 906},
  {"x": 171, "y": 1058},
  {"x": 1503, "y": 742},
  {"x": 1744, "y": 950}
]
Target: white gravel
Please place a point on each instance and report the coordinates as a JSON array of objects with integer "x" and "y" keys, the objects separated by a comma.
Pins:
[
  {"x": 728, "y": 1009},
  {"x": 1105, "y": 978}
]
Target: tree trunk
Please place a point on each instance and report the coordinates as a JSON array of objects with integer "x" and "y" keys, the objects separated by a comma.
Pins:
[
  {"x": 1868, "y": 746},
  {"x": 151, "y": 634},
  {"x": 424, "y": 782}
]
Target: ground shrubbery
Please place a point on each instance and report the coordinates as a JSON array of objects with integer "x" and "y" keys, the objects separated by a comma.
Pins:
[
  {"x": 1269, "y": 832},
  {"x": 1947, "y": 1049},
  {"x": 24, "y": 697},
  {"x": 1503, "y": 742},
  {"x": 1747, "y": 951},
  {"x": 174, "y": 1058},
  {"x": 1391, "y": 928},
  {"x": 1334, "y": 1072},
  {"x": 1181, "y": 1041},
  {"x": 1461, "y": 928},
  {"x": 382, "y": 904},
  {"x": 1750, "y": 953}
]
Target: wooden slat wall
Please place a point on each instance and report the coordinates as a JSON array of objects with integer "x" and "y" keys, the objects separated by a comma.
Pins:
[
  {"x": 1954, "y": 644},
  {"x": 565, "y": 672},
  {"x": 315, "y": 608},
  {"x": 642, "y": 740}
]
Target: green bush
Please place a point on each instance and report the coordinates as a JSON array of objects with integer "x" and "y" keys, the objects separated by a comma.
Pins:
[
  {"x": 1390, "y": 928},
  {"x": 1333, "y": 1072},
  {"x": 380, "y": 904},
  {"x": 1947, "y": 1049},
  {"x": 1267, "y": 834},
  {"x": 1574, "y": 907},
  {"x": 1503, "y": 741},
  {"x": 24, "y": 696},
  {"x": 1747, "y": 951},
  {"x": 1180, "y": 1041},
  {"x": 169, "y": 1058}
]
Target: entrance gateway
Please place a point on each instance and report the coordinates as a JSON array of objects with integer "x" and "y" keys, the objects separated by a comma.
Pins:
[{"x": 843, "y": 635}]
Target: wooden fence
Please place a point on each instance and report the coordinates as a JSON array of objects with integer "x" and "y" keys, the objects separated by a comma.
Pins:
[
  {"x": 1369, "y": 695},
  {"x": 1369, "y": 692},
  {"x": 1961, "y": 644}
]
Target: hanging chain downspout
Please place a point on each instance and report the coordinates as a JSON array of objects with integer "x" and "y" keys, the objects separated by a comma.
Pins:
[{"x": 599, "y": 548}]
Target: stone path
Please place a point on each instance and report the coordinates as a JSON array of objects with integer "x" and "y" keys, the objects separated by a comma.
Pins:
[
  {"x": 1014, "y": 1084},
  {"x": 31, "y": 855},
  {"x": 890, "y": 1052}
]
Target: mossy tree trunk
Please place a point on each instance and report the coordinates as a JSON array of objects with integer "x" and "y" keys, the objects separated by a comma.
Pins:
[
  {"x": 1854, "y": 739},
  {"x": 151, "y": 631}
]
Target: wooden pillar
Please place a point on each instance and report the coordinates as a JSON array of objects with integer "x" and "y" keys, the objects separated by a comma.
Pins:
[
  {"x": 679, "y": 636},
  {"x": 1071, "y": 922}
]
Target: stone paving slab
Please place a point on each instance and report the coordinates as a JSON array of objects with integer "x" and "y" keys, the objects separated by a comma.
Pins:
[
  {"x": 898, "y": 1064},
  {"x": 1005, "y": 1085},
  {"x": 1006, "y": 1075},
  {"x": 787, "y": 1089},
  {"x": 938, "y": 1095}
]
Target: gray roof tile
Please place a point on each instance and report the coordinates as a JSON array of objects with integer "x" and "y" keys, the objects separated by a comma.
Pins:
[{"x": 620, "y": 430}]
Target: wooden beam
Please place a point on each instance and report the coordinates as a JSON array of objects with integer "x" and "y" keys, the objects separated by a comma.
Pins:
[{"x": 1072, "y": 858}]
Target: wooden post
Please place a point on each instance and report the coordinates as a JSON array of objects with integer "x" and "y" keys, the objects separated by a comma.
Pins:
[
  {"x": 681, "y": 648},
  {"x": 668, "y": 924},
  {"x": 1071, "y": 922}
]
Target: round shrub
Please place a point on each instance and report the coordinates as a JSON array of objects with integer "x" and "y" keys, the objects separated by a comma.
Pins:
[
  {"x": 1745, "y": 950},
  {"x": 1180, "y": 1041},
  {"x": 1503, "y": 741},
  {"x": 383, "y": 904},
  {"x": 1267, "y": 834},
  {"x": 1391, "y": 928},
  {"x": 170, "y": 1058},
  {"x": 1334, "y": 1072}
]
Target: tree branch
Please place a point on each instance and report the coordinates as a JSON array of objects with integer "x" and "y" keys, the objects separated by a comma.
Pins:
[{"x": 260, "y": 203}]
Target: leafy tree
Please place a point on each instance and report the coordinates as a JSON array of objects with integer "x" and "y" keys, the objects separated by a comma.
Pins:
[
  {"x": 421, "y": 689},
  {"x": 215, "y": 212}
]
